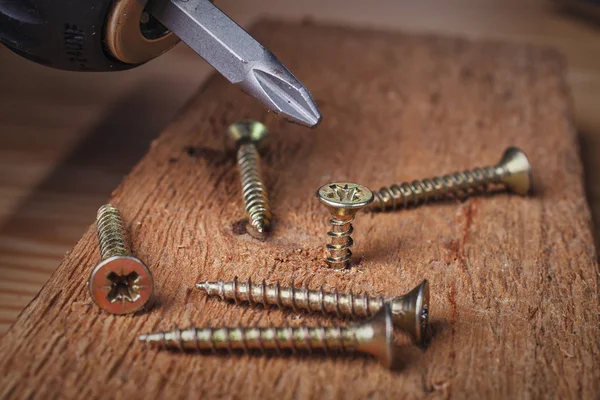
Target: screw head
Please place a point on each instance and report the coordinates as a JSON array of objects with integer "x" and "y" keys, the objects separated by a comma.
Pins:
[
  {"x": 344, "y": 198},
  {"x": 381, "y": 332},
  {"x": 411, "y": 311},
  {"x": 518, "y": 177},
  {"x": 245, "y": 132},
  {"x": 121, "y": 285}
]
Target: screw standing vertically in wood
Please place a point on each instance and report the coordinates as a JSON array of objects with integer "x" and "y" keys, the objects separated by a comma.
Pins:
[
  {"x": 372, "y": 337},
  {"x": 410, "y": 312},
  {"x": 343, "y": 201},
  {"x": 513, "y": 171},
  {"x": 120, "y": 283},
  {"x": 247, "y": 136}
]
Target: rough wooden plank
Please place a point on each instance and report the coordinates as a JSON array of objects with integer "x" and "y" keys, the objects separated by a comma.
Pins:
[
  {"x": 38, "y": 127},
  {"x": 514, "y": 280}
]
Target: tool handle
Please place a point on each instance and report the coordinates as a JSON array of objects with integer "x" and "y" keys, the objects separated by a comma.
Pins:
[{"x": 64, "y": 34}]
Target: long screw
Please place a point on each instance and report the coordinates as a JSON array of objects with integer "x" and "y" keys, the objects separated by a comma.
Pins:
[
  {"x": 372, "y": 337},
  {"x": 410, "y": 312},
  {"x": 343, "y": 200},
  {"x": 120, "y": 283},
  {"x": 245, "y": 137},
  {"x": 513, "y": 171}
]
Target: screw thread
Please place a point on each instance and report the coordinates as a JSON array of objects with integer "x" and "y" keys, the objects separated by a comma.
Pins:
[
  {"x": 340, "y": 237},
  {"x": 254, "y": 191},
  {"x": 405, "y": 194},
  {"x": 301, "y": 338},
  {"x": 344, "y": 305},
  {"x": 111, "y": 234}
]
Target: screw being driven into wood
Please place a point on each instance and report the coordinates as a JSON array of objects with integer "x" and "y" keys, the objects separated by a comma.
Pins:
[
  {"x": 343, "y": 201},
  {"x": 120, "y": 283},
  {"x": 372, "y": 337},
  {"x": 513, "y": 171},
  {"x": 410, "y": 312},
  {"x": 245, "y": 137}
]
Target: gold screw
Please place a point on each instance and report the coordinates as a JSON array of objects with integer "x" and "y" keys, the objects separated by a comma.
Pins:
[
  {"x": 410, "y": 312},
  {"x": 513, "y": 171},
  {"x": 120, "y": 283},
  {"x": 343, "y": 201},
  {"x": 372, "y": 337},
  {"x": 245, "y": 137}
]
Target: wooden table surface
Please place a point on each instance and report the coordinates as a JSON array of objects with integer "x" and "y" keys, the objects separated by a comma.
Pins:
[
  {"x": 514, "y": 284},
  {"x": 62, "y": 151}
]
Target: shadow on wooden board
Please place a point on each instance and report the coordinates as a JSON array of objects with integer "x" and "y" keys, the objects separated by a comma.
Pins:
[{"x": 68, "y": 197}]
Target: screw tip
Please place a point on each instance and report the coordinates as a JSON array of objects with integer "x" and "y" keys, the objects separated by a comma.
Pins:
[
  {"x": 158, "y": 339},
  {"x": 259, "y": 229}
]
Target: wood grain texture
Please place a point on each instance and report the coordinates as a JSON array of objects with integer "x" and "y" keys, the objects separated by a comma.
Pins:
[
  {"x": 66, "y": 141},
  {"x": 57, "y": 128},
  {"x": 514, "y": 280}
]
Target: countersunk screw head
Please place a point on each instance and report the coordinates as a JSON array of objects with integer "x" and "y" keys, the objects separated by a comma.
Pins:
[
  {"x": 411, "y": 311},
  {"x": 246, "y": 132},
  {"x": 382, "y": 343},
  {"x": 343, "y": 198},
  {"x": 121, "y": 284},
  {"x": 518, "y": 177}
]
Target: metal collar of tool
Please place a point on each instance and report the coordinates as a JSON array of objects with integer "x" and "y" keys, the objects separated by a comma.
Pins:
[{"x": 124, "y": 37}]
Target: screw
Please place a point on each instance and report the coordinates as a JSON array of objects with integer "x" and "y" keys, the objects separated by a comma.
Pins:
[
  {"x": 410, "y": 312},
  {"x": 245, "y": 137},
  {"x": 120, "y": 283},
  {"x": 372, "y": 337},
  {"x": 513, "y": 171},
  {"x": 343, "y": 201}
]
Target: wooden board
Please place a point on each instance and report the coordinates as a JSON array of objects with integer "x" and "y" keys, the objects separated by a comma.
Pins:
[
  {"x": 53, "y": 160},
  {"x": 514, "y": 280}
]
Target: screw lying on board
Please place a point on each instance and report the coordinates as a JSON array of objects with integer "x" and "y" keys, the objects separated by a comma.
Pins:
[
  {"x": 513, "y": 171},
  {"x": 343, "y": 201},
  {"x": 120, "y": 283},
  {"x": 410, "y": 312},
  {"x": 245, "y": 137},
  {"x": 372, "y": 337}
]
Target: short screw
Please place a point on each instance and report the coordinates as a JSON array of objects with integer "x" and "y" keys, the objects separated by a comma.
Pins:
[
  {"x": 245, "y": 137},
  {"x": 120, "y": 283},
  {"x": 513, "y": 171},
  {"x": 343, "y": 201},
  {"x": 372, "y": 337},
  {"x": 410, "y": 312}
]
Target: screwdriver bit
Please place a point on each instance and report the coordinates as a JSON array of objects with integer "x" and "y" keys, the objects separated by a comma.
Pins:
[{"x": 238, "y": 57}]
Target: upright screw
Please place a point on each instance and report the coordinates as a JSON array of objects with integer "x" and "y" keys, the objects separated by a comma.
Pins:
[
  {"x": 372, "y": 337},
  {"x": 410, "y": 312},
  {"x": 245, "y": 137},
  {"x": 120, "y": 283},
  {"x": 343, "y": 201},
  {"x": 513, "y": 171}
]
